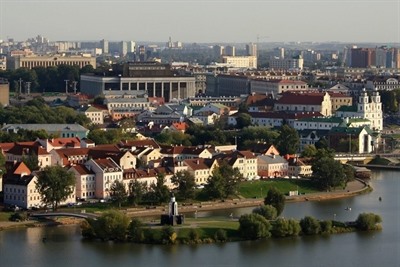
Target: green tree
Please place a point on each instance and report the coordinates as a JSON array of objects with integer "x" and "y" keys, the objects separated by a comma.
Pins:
[
  {"x": 223, "y": 182},
  {"x": 328, "y": 173},
  {"x": 135, "y": 230},
  {"x": 276, "y": 199},
  {"x": 326, "y": 226},
  {"x": 111, "y": 225},
  {"x": 118, "y": 192},
  {"x": 267, "y": 211},
  {"x": 254, "y": 226},
  {"x": 368, "y": 221},
  {"x": 31, "y": 161},
  {"x": 288, "y": 140},
  {"x": 168, "y": 234},
  {"x": 137, "y": 190},
  {"x": 309, "y": 151},
  {"x": 185, "y": 183},
  {"x": 193, "y": 235},
  {"x": 55, "y": 184},
  {"x": 310, "y": 226},
  {"x": 243, "y": 120},
  {"x": 220, "y": 235},
  {"x": 159, "y": 192},
  {"x": 282, "y": 228}
]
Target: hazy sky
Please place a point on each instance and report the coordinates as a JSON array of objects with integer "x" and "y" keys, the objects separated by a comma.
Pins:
[{"x": 202, "y": 21}]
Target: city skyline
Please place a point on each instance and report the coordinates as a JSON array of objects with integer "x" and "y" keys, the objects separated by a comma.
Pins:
[{"x": 203, "y": 21}]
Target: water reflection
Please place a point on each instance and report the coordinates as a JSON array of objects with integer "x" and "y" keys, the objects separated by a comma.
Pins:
[{"x": 64, "y": 246}]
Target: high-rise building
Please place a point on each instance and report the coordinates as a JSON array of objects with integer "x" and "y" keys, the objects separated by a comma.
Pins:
[
  {"x": 251, "y": 49},
  {"x": 279, "y": 53},
  {"x": 230, "y": 51},
  {"x": 123, "y": 48},
  {"x": 104, "y": 46},
  {"x": 361, "y": 57},
  {"x": 218, "y": 50},
  {"x": 131, "y": 47}
]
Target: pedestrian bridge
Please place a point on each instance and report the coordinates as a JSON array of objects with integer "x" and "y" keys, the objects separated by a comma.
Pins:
[
  {"x": 64, "y": 214},
  {"x": 363, "y": 158}
]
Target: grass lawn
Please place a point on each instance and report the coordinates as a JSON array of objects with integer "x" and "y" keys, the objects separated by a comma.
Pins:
[
  {"x": 207, "y": 227},
  {"x": 380, "y": 161},
  {"x": 4, "y": 216},
  {"x": 259, "y": 189}
]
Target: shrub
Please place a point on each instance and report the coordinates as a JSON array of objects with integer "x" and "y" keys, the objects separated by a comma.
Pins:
[
  {"x": 18, "y": 217},
  {"x": 193, "y": 235},
  {"x": 135, "y": 231},
  {"x": 326, "y": 227},
  {"x": 254, "y": 226},
  {"x": 283, "y": 227},
  {"x": 310, "y": 226},
  {"x": 267, "y": 211},
  {"x": 368, "y": 221},
  {"x": 220, "y": 235},
  {"x": 168, "y": 234}
]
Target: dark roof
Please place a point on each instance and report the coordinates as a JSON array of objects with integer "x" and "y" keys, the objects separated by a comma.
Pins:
[{"x": 303, "y": 99}]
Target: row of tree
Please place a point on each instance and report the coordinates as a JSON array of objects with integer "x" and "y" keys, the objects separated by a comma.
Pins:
[
  {"x": 45, "y": 79},
  {"x": 37, "y": 111}
]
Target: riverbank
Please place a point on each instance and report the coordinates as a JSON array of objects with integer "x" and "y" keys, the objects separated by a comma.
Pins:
[{"x": 352, "y": 189}]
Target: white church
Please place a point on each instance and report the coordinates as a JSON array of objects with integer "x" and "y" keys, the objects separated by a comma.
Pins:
[{"x": 368, "y": 107}]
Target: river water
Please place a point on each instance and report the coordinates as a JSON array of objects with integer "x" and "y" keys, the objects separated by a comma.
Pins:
[{"x": 64, "y": 246}]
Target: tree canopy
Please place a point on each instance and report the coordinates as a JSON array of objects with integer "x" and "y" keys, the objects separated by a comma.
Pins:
[
  {"x": 185, "y": 183},
  {"x": 118, "y": 192},
  {"x": 288, "y": 140},
  {"x": 55, "y": 184},
  {"x": 224, "y": 181},
  {"x": 276, "y": 199}
]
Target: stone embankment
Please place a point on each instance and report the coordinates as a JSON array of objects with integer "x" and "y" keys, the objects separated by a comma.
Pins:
[{"x": 352, "y": 189}]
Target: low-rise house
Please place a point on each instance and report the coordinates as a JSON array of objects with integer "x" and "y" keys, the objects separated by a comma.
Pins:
[
  {"x": 62, "y": 130},
  {"x": 148, "y": 176},
  {"x": 124, "y": 158},
  {"x": 85, "y": 186},
  {"x": 59, "y": 143},
  {"x": 95, "y": 115},
  {"x": 181, "y": 153},
  {"x": 298, "y": 168},
  {"x": 20, "y": 151},
  {"x": 107, "y": 171},
  {"x": 201, "y": 169},
  {"x": 305, "y": 102},
  {"x": 272, "y": 166},
  {"x": 207, "y": 117},
  {"x": 69, "y": 156},
  {"x": 245, "y": 161},
  {"x": 20, "y": 188},
  {"x": 179, "y": 127}
]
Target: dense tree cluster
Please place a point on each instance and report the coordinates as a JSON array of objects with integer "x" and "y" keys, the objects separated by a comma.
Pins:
[
  {"x": 37, "y": 111},
  {"x": 50, "y": 79},
  {"x": 327, "y": 172},
  {"x": 223, "y": 182}
]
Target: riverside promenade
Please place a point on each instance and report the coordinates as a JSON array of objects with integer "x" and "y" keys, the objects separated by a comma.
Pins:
[{"x": 352, "y": 189}]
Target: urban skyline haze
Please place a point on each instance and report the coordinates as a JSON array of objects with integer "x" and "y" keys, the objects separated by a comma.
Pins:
[{"x": 203, "y": 21}]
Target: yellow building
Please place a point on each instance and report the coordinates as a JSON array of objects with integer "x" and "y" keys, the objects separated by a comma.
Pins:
[{"x": 29, "y": 62}]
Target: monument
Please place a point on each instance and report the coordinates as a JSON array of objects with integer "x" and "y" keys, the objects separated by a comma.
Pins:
[{"x": 172, "y": 218}]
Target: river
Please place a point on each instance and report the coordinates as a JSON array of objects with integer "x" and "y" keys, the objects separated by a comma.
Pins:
[{"x": 64, "y": 246}]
